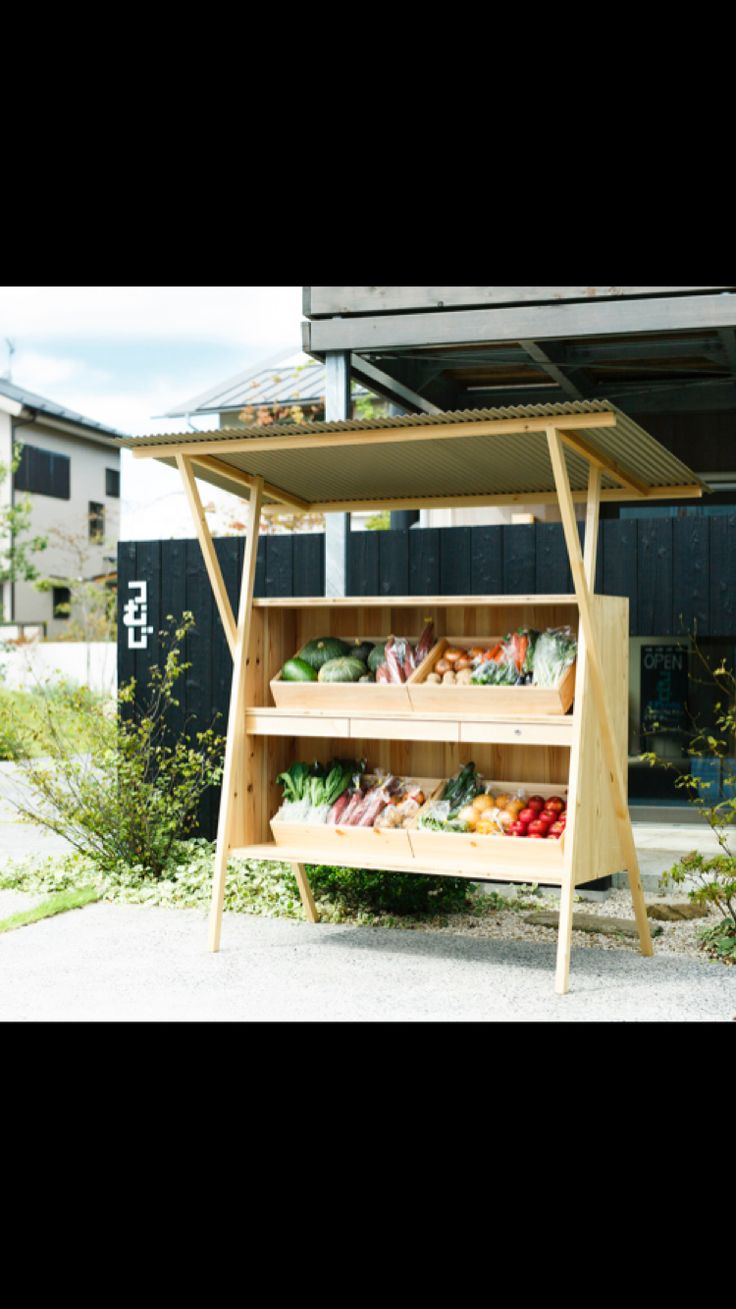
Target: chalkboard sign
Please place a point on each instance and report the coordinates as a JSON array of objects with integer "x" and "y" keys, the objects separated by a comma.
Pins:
[{"x": 664, "y": 688}]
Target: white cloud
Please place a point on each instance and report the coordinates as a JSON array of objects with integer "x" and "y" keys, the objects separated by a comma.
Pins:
[
  {"x": 265, "y": 317},
  {"x": 38, "y": 369}
]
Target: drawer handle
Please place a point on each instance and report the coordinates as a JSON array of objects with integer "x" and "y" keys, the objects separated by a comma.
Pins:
[{"x": 517, "y": 731}]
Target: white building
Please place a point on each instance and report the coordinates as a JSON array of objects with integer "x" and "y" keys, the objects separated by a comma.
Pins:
[{"x": 70, "y": 471}]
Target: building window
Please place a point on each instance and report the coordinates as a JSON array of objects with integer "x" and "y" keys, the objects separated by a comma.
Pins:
[
  {"x": 112, "y": 482},
  {"x": 43, "y": 473},
  {"x": 61, "y": 596},
  {"x": 96, "y": 521}
]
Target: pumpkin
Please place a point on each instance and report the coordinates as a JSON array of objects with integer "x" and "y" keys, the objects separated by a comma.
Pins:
[
  {"x": 319, "y": 652},
  {"x": 344, "y": 669}
]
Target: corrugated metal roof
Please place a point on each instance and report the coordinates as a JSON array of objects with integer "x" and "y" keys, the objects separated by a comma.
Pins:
[
  {"x": 44, "y": 406},
  {"x": 472, "y": 464}
]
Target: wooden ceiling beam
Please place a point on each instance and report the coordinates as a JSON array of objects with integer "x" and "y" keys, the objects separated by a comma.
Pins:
[
  {"x": 604, "y": 462},
  {"x": 247, "y": 481}
]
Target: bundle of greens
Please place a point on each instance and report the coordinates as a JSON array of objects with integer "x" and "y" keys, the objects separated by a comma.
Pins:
[
  {"x": 461, "y": 790},
  {"x": 555, "y": 652},
  {"x": 512, "y": 661},
  {"x": 310, "y": 790}
]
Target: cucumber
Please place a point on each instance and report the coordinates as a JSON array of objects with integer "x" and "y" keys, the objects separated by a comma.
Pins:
[{"x": 298, "y": 670}]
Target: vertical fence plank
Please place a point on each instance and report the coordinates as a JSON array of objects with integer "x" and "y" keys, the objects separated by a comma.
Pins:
[
  {"x": 620, "y": 563},
  {"x": 309, "y": 564},
  {"x": 424, "y": 561},
  {"x": 691, "y": 540},
  {"x": 455, "y": 561},
  {"x": 363, "y": 559},
  {"x": 199, "y": 683},
  {"x": 486, "y": 561},
  {"x": 259, "y": 584},
  {"x": 654, "y": 577},
  {"x": 279, "y": 565},
  {"x": 723, "y": 575},
  {"x": 393, "y": 562},
  {"x": 519, "y": 559},
  {"x": 552, "y": 567}
]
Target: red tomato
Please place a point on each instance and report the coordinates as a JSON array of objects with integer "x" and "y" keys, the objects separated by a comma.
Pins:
[
  {"x": 555, "y": 803},
  {"x": 546, "y": 816},
  {"x": 518, "y": 829},
  {"x": 557, "y": 829},
  {"x": 538, "y": 828},
  {"x": 536, "y": 836},
  {"x": 527, "y": 816},
  {"x": 535, "y": 802}
]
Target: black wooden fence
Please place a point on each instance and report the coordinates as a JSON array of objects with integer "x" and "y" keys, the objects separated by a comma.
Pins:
[{"x": 677, "y": 574}]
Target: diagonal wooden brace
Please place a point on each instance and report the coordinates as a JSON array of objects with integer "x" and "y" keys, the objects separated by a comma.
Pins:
[
  {"x": 608, "y": 741},
  {"x": 212, "y": 563}
]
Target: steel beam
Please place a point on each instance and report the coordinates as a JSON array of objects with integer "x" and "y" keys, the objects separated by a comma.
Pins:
[{"x": 337, "y": 526}]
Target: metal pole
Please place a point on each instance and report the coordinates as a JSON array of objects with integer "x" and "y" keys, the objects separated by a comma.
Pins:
[{"x": 337, "y": 526}]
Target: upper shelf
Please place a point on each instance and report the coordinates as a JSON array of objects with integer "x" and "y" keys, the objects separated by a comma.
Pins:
[{"x": 409, "y": 601}]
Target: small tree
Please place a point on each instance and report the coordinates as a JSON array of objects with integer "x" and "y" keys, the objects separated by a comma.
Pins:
[
  {"x": 17, "y": 541},
  {"x": 134, "y": 794},
  {"x": 92, "y": 603},
  {"x": 714, "y": 877}
]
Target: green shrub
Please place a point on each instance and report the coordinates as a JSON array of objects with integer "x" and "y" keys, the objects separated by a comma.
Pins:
[
  {"x": 714, "y": 877},
  {"x": 134, "y": 793},
  {"x": 362, "y": 890}
]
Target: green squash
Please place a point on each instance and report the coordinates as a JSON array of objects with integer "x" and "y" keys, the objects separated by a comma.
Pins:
[
  {"x": 377, "y": 656},
  {"x": 360, "y": 649},
  {"x": 298, "y": 670},
  {"x": 346, "y": 669},
  {"x": 318, "y": 652}
]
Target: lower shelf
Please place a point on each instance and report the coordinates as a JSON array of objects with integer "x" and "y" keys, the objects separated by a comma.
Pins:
[{"x": 535, "y": 863}]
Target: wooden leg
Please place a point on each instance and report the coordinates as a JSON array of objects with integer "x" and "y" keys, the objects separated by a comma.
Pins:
[
  {"x": 218, "y": 897},
  {"x": 608, "y": 742},
  {"x": 233, "y": 779},
  {"x": 305, "y": 892},
  {"x": 564, "y": 937}
]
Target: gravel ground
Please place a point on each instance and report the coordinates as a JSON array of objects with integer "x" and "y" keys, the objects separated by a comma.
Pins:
[
  {"x": 128, "y": 962},
  {"x": 676, "y": 938}
]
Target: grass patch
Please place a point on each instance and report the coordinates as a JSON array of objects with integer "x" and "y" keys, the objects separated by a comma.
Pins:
[{"x": 57, "y": 904}]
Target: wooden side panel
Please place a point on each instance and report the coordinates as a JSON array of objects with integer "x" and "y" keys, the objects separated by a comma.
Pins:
[{"x": 597, "y": 849}]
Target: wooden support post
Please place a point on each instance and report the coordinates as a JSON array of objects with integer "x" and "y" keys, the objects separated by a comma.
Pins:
[
  {"x": 207, "y": 545},
  {"x": 567, "y": 890},
  {"x": 608, "y": 742},
  {"x": 591, "y": 526},
  {"x": 235, "y": 744},
  {"x": 305, "y": 892}
]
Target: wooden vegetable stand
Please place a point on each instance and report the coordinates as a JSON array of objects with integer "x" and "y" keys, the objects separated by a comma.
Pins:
[{"x": 586, "y": 452}]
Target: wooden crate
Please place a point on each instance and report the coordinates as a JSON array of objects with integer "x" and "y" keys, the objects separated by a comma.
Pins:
[
  {"x": 352, "y": 843},
  {"x": 516, "y": 701},
  {"x": 347, "y": 696},
  {"x": 493, "y": 855}
]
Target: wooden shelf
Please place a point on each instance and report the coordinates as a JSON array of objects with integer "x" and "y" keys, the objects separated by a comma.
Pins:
[
  {"x": 409, "y": 601},
  {"x": 496, "y": 866},
  {"x": 546, "y": 729}
]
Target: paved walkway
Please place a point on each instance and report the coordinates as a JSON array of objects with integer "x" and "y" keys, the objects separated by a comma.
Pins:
[{"x": 129, "y": 962}]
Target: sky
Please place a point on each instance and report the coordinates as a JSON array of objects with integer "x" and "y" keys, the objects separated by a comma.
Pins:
[{"x": 125, "y": 354}]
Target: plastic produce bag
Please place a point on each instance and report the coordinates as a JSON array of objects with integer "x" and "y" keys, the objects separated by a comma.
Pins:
[{"x": 555, "y": 652}]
